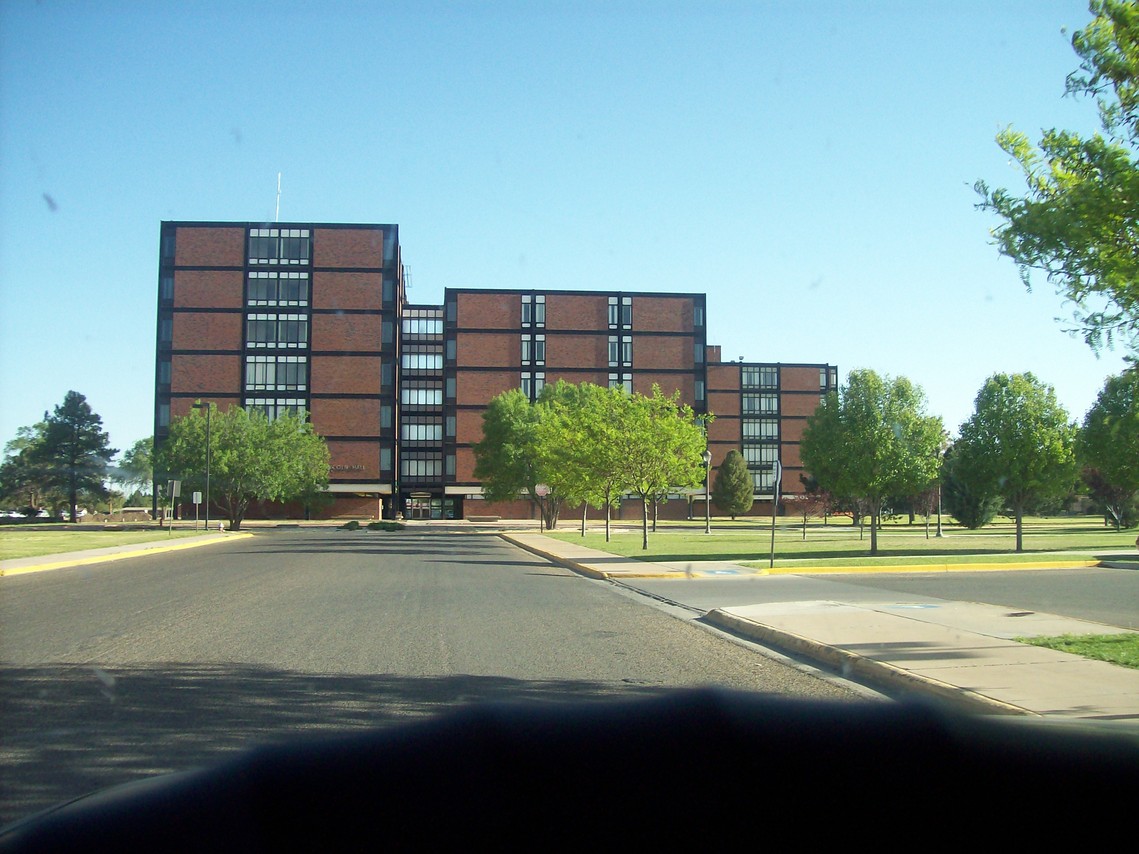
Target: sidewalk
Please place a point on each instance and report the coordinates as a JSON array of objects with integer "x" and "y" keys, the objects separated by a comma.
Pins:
[{"x": 959, "y": 652}]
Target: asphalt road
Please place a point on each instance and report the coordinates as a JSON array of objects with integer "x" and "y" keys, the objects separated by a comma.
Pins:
[
  {"x": 1108, "y": 596},
  {"x": 165, "y": 662}
]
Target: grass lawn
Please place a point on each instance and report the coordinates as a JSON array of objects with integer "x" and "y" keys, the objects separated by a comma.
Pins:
[
  {"x": 840, "y": 542},
  {"x": 1117, "y": 649},
  {"x": 18, "y": 541}
]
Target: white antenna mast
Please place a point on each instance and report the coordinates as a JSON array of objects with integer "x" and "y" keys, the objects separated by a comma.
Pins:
[{"x": 277, "y": 215}]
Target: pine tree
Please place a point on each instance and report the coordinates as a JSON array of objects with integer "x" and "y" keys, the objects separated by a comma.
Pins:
[
  {"x": 733, "y": 490},
  {"x": 75, "y": 450}
]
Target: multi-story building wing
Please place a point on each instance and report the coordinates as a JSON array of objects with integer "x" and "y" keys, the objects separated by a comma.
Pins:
[
  {"x": 497, "y": 340},
  {"x": 313, "y": 317},
  {"x": 288, "y": 317}
]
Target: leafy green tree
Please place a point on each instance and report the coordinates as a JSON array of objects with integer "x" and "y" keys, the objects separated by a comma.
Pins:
[
  {"x": 508, "y": 459},
  {"x": 1108, "y": 444},
  {"x": 136, "y": 466},
  {"x": 74, "y": 451},
  {"x": 251, "y": 458},
  {"x": 1018, "y": 443},
  {"x": 732, "y": 489},
  {"x": 662, "y": 447},
  {"x": 871, "y": 439},
  {"x": 967, "y": 502},
  {"x": 580, "y": 437},
  {"x": 1078, "y": 222}
]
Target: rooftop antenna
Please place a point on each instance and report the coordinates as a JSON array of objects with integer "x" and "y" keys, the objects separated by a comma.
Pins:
[{"x": 277, "y": 214}]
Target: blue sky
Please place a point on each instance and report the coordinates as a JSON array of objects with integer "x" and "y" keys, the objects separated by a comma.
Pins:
[{"x": 808, "y": 165}]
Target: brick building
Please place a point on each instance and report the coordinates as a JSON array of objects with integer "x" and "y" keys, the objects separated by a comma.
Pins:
[{"x": 313, "y": 317}]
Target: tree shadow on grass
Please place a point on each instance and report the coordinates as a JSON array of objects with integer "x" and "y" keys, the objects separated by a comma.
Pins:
[{"x": 72, "y": 729}]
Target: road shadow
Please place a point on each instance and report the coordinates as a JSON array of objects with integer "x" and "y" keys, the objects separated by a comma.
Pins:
[{"x": 72, "y": 729}]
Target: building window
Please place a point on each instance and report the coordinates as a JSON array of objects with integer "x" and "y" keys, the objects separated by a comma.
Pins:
[
  {"x": 387, "y": 374},
  {"x": 616, "y": 381},
  {"x": 833, "y": 374},
  {"x": 539, "y": 384},
  {"x": 420, "y": 464},
  {"x": 533, "y": 349},
  {"x": 452, "y": 312},
  {"x": 164, "y": 415},
  {"x": 166, "y": 288},
  {"x": 276, "y": 330},
  {"x": 449, "y": 383},
  {"x": 168, "y": 244},
  {"x": 698, "y": 352},
  {"x": 620, "y": 312},
  {"x": 387, "y": 332},
  {"x": 533, "y": 310},
  {"x": 761, "y": 455},
  {"x": 165, "y": 330},
  {"x": 387, "y": 291},
  {"x": 273, "y": 408},
  {"x": 386, "y": 416},
  {"x": 385, "y": 459},
  {"x": 754, "y": 404},
  {"x": 620, "y": 350},
  {"x": 423, "y": 325},
  {"x": 276, "y": 373},
  {"x": 450, "y": 426},
  {"x": 760, "y": 429},
  {"x": 527, "y": 385},
  {"x": 412, "y": 396},
  {"x": 761, "y": 377},
  {"x": 283, "y": 246},
  {"x": 422, "y": 361},
  {"x": 699, "y": 389},
  {"x": 277, "y": 288},
  {"x": 698, "y": 316},
  {"x": 449, "y": 465},
  {"x": 164, "y": 372},
  {"x": 422, "y": 430},
  {"x": 449, "y": 347}
]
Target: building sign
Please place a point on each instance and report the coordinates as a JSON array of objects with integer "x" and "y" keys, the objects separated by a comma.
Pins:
[{"x": 346, "y": 468}]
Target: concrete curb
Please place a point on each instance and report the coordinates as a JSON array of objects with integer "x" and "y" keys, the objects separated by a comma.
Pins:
[
  {"x": 568, "y": 564},
  {"x": 853, "y": 666},
  {"x": 113, "y": 553}
]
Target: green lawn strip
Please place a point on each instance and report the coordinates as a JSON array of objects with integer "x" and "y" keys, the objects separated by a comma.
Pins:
[
  {"x": 22, "y": 542},
  {"x": 1117, "y": 649},
  {"x": 830, "y": 543}
]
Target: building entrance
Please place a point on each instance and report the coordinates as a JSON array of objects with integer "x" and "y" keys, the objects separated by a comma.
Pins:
[{"x": 425, "y": 506}]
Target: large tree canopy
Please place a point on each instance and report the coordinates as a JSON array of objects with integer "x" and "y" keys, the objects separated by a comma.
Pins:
[
  {"x": 1078, "y": 222},
  {"x": 251, "y": 458},
  {"x": 73, "y": 452},
  {"x": 1018, "y": 444},
  {"x": 871, "y": 439},
  {"x": 589, "y": 444},
  {"x": 1109, "y": 444}
]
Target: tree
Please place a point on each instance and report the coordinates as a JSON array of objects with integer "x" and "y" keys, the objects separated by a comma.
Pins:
[
  {"x": 733, "y": 489},
  {"x": 1018, "y": 444},
  {"x": 812, "y": 501},
  {"x": 580, "y": 438},
  {"x": 1108, "y": 444},
  {"x": 871, "y": 439},
  {"x": 74, "y": 451},
  {"x": 136, "y": 466},
  {"x": 1078, "y": 223},
  {"x": 662, "y": 447},
  {"x": 966, "y": 501},
  {"x": 507, "y": 459},
  {"x": 251, "y": 458}
]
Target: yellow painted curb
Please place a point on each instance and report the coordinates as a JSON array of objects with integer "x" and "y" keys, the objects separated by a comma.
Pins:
[
  {"x": 930, "y": 567},
  {"x": 144, "y": 549}
]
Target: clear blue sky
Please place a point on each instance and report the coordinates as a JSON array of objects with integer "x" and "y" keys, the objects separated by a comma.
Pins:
[{"x": 807, "y": 164}]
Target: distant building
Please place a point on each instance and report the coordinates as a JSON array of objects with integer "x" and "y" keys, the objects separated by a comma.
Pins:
[{"x": 314, "y": 317}]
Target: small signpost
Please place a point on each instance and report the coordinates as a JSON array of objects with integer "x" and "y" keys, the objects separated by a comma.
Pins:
[
  {"x": 173, "y": 490},
  {"x": 197, "y": 501},
  {"x": 777, "y": 470},
  {"x": 541, "y": 490}
]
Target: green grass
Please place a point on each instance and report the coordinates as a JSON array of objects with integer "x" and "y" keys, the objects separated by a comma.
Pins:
[
  {"x": 750, "y": 540},
  {"x": 1120, "y": 649},
  {"x": 18, "y": 541}
]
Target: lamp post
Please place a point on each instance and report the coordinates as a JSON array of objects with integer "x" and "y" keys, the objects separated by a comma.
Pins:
[
  {"x": 206, "y": 406},
  {"x": 707, "y": 491}
]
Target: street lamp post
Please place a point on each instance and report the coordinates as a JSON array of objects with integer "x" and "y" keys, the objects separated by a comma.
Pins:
[
  {"x": 206, "y": 407},
  {"x": 707, "y": 491}
]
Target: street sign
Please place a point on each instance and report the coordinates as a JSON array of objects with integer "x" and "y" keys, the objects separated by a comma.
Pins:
[{"x": 197, "y": 498}]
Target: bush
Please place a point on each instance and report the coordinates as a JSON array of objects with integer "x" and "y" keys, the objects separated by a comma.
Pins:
[
  {"x": 386, "y": 526},
  {"x": 350, "y": 525}
]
